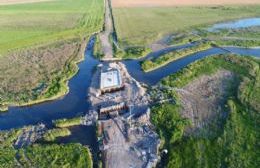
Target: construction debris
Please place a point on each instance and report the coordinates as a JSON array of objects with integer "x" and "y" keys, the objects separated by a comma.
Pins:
[{"x": 126, "y": 136}]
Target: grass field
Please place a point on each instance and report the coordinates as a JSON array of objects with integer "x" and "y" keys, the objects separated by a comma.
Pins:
[
  {"x": 149, "y": 3},
  {"x": 44, "y": 156},
  {"x": 31, "y": 24},
  {"x": 9, "y": 2},
  {"x": 143, "y": 25},
  {"x": 45, "y": 40}
]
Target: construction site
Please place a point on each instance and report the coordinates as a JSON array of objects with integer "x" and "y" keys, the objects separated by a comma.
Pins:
[{"x": 126, "y": 136}]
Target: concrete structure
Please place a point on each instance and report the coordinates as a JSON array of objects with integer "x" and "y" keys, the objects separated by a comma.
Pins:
[
  {"x": 110, "y": 80},
  {"x": 112, "y": 111}
]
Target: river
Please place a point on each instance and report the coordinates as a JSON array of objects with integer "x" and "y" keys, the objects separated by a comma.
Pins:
[{"x": 75, "y": 102}]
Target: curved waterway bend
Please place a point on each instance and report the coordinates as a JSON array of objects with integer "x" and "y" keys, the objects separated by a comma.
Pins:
[
  {"x": 73, "y": 104},
  {"x": 155, "y": 76}
]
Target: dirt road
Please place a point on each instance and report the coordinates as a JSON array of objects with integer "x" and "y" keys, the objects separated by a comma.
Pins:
[
  {"x": 105, "y": 35},
  {"x": 151, "y": 3}
]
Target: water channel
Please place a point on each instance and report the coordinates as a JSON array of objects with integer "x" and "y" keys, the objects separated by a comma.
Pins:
[{"x": 75, "y": 102}]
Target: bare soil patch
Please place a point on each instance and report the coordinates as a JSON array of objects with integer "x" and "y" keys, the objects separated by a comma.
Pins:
[
  {"x": 204, "y": 98},
  {"x": 125, "y": 142},
  {"x": 10, "y": 2},
  {"x": 151, "y": 3}
]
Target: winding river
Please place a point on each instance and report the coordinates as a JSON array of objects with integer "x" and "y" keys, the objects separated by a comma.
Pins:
[{"x": 75, "y": 102}]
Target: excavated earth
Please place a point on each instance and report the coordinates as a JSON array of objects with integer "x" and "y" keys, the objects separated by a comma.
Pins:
[
  {"x": 128, "y": 140},
  {"x": 204, "y": 98}
]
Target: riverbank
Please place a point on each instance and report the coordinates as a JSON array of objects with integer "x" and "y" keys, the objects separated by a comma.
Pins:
[
  {"x": 150, "y": 65},
  {"x": 70, "y": 70}
]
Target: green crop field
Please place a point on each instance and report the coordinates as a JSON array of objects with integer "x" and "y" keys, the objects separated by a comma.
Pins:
[
  {"x": 141, "y": 26},
  {"x": 26, "y": 25}
]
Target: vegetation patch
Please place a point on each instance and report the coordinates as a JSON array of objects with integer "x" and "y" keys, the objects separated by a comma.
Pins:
[
  {"x": 235, "y": 139},
  {"x": 40, "y": 155},
  {"x": 141, "y": 26},
  {"x": 149, "y": 65},
  {"x": 61, "y": 123},
  {"x": 34, "y": 24},
  {"x": 98, "y": 52},
  {"x": 54, "y": 133},
  {"x": 183, "y": 38},
  {"x": 242, "y": 37},
  {"x": 131, "y": 52},
  {"x": 45, "y": 40},
  {"x": 71, "y": 155}
]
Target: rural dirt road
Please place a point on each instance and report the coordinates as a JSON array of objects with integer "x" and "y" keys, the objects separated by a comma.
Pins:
[
  {"x": 105, "y": 35},
  {"x": 151, "y": 3}
]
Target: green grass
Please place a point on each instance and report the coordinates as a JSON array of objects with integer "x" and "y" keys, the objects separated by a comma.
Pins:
[
  {"x": 46, "y": 156},
  {"x": 149, "y": 65},
  {"x": 243, "y": 37},
  {"x": 67, "y": 122},
  {"x": 98, "y": 52},
  {"x": 141, "y": 26},
  {"x": 132, "y": 52},
  {"x": 41, "y": 155},
  {"x": 236, "y": 146},
  {"x": 182, "y": 39},
  {"x": 27, "y": 25},
  {"x": 54, "y": 133},
  {"x": 235, "y": 143}
]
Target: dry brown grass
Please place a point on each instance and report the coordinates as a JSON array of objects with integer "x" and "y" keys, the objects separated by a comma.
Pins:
[
  {"x": 22, "y": 72},
  {"x": 151, "y": 3},
  {"x": 10, "y": 2}
]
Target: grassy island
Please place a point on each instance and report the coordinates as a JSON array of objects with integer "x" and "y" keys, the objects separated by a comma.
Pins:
[{"x": 149, "y": 65}]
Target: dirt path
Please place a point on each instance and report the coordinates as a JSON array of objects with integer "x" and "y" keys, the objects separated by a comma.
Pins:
[
  {"x": 10, "y": 2},
  {"x": 105, "y": 35}
]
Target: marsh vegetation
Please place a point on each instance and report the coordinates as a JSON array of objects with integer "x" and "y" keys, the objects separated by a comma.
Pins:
[{"x": 228, "y": 141}]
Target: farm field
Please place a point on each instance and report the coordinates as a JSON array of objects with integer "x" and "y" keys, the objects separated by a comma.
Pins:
[
  {"x": 140, "y": 26},
  {"x": 26, "y": 25},
  {"x": 45, "y": 40},
  {"x": 148, "y": 3},
  {"x": 9, "y": 2}
]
